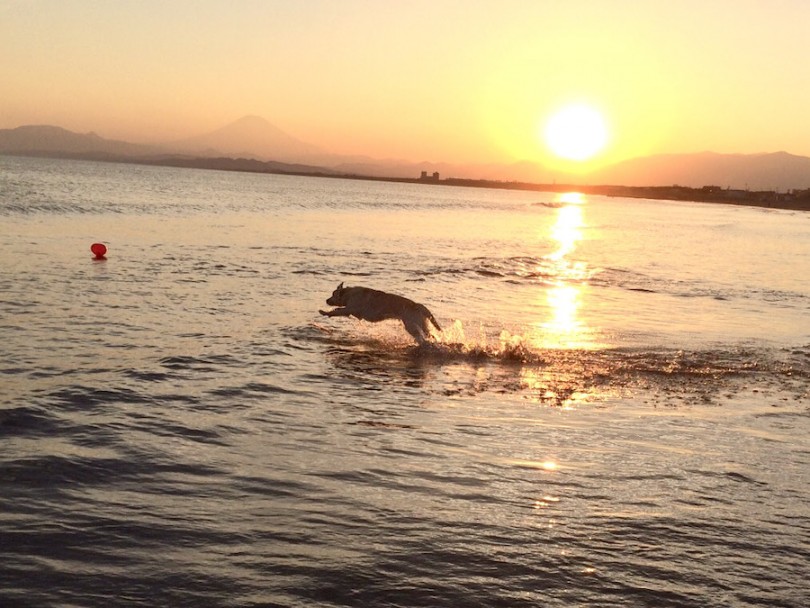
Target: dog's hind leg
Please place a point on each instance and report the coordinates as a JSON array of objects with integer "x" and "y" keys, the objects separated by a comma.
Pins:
[{"x": 416, "y": 327}]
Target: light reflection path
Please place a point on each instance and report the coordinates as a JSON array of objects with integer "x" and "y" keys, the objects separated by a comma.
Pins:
[{"x": 564, "y": 329}]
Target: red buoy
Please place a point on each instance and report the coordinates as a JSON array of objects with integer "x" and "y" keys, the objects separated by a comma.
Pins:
[{"x": 99, "y": 249}]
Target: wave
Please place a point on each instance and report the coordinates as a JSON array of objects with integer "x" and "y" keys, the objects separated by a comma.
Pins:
[
  {"x": 514, "y": 269},
  {"x": 548, "y": 271}
]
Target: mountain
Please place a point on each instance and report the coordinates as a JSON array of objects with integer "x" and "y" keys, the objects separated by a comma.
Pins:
[
  {"x": 775, "y": 171},
  {"x": 253, "y": 144},
  {"x": 56, "y": 141},
  {"x": 248, "y": 137},
  {"x": 45, "y": 140}
]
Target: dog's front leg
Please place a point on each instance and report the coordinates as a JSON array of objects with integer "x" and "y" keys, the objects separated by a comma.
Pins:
[{"x": 335, "y": 312}]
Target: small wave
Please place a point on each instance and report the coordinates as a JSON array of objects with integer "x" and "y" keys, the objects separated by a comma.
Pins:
[
  {"x": 252, "y": 389},
  {"x": 209, "y": 363},
  {"x": 147, "y": 376},
  {"x": 83, "y": 397},
  {"x": 549, "y": 205},
  {"x": 641, "y": 290},
  {"x": 640, "y": 282},
  {"x": 57, "y": 472},
  {"x": 516, "y": 269},
  {"x": 27, "y": 420}
]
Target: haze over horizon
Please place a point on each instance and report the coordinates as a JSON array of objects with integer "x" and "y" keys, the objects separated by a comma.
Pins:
[{"x": 425, "y": 81}]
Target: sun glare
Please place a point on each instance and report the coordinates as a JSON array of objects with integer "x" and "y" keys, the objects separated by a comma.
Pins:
[{"x": 577, "y": 132}]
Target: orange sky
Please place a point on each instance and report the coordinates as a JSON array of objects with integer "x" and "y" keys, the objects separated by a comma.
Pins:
[{"x": 438, "y": 80}]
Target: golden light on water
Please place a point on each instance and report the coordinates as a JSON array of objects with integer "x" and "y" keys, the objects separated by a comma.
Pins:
[
  {"x": 563, "y": 301},
  {"x": 566, "y": 230},
  {"x": 572, "y": 198},
  {"x": 545, "y": 502},
  {"x": 563, "y": 327},
  {"x": 544, "y": 465}
]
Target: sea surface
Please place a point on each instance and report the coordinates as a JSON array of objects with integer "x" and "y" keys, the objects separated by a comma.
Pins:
[{"x": 616, "y": 413}]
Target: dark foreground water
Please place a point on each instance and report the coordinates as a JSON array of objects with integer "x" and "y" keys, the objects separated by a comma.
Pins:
[{"x": 617, "y": 412}]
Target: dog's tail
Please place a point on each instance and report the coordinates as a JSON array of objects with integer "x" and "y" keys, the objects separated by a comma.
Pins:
[{"x": 434, "y": 321}]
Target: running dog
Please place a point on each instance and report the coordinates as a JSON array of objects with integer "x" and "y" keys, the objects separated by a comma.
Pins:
[{"x": 372, "y": 305}]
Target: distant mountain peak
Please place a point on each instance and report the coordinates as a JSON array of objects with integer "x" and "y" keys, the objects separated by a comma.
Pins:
[
  {"x": 252, "y": 119},
  {"x": 250, "y": 136}
]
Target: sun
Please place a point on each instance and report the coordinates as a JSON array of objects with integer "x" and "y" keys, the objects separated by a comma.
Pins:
[{"x": 576, "y": 132}]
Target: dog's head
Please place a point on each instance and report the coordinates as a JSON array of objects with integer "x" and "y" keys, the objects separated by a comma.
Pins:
[{"x": 336, "y": 299}]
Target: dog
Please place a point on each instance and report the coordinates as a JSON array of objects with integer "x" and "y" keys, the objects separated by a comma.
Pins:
[{"x": 373, "y": 305}]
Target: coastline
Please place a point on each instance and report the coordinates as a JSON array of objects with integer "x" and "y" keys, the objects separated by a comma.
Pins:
[{"x": 794, "y": 201}]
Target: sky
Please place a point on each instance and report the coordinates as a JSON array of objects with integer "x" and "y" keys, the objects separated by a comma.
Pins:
[{"x": 470, "y": 81}]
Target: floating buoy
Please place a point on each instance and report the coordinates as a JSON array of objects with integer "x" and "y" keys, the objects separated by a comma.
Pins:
[{"x": 99, "y": 249}]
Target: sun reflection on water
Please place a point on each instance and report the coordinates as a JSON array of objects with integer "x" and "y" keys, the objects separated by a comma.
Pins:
[
  {"x": 566, "y": 231},
  {"x": 564, "y": 302},
  {"x": 564, "y": 329},
  {"x": 571, "y": 198}
]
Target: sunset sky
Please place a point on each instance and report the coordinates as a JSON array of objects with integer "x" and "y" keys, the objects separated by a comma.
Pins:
[{"x": 438, "y": 80}]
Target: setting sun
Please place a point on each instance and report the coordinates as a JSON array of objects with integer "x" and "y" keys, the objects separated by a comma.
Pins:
[{"x": 576, "y": 132}]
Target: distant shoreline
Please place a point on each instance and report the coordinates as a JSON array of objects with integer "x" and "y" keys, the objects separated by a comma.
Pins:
[
  {"x": 706, "y": 194},
  {"x": 795, "y": 201}
]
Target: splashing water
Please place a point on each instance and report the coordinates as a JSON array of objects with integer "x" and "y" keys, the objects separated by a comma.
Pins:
[{"x": 474, "y": 361}]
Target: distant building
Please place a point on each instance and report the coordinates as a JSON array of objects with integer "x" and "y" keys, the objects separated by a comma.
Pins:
[{"x": 429, "y": 178}]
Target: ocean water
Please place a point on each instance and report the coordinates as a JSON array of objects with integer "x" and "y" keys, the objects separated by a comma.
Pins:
[{"x": 616, "y": 413}]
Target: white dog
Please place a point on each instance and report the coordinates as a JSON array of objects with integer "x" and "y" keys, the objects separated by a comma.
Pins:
[{"x": 372, "y": 305}]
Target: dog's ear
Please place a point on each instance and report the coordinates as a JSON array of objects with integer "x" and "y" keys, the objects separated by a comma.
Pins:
[{"x": 339, "y": 287}]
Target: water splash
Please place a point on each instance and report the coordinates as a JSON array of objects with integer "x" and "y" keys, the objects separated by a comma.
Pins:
[
  {"x": 454, "y": 344},
  {"x": 466, "y": 360}
]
